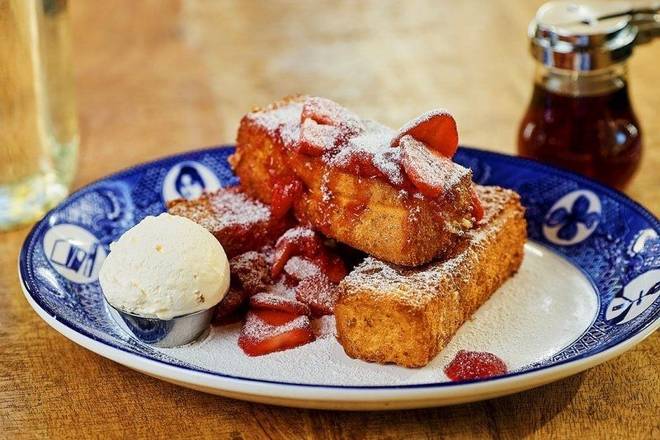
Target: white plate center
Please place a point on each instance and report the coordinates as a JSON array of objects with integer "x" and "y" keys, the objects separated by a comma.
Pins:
[{"x": 537, "y": 313}]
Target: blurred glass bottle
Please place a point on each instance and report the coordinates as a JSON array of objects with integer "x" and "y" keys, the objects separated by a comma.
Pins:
[{"x": 38, "y": 125}]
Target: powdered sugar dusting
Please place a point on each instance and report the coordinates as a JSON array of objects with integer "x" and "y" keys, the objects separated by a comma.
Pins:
[
  {"x": 421, "y": 119},
  {"x": 372, "y": 146},
  {"x": 548, "y": 296},
  {"x": 415, "y": 286},
  {"x": 297, "y": 233},
  {"x": 222, "y": 209},
  {"x": 257, "y": 329},
  {"x": 301, "y": 268},
  {"x": 273, "y": 119},
  {"x": 325, "y": 327}
]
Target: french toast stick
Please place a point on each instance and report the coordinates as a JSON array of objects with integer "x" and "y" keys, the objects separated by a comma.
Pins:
[
  {"x": 239, "y": 223},
  {"x": 384, "y": 219},
  {"x": 391, "y": 314}
]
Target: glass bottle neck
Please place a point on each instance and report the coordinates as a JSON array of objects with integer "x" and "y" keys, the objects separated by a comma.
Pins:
[{"x": 572, "y": 83}]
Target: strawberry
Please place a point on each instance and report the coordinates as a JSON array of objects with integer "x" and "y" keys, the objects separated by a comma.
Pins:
[
  {"x": 272, "y": 301},
  {"x": 332, "y": 266},
  {"x": 436, "y": 129},
  {"x": 296, "y": 241},
  {"x": 477, "y": 207},
  {"x": 299, "y": 268},
  {"x": 286, "y": 190},
  {"x": 428, "y": 170},
  {"x": 327, "y": 112},
  {"x": 251, "y": 271},
  {"x": 229, "y": 305},
  {"x": 316, "y": 139},
  {"x": 358, "y": 162},
  {"x": 319, "y": 294},
  {"x": 267, "y": 331},
  {"x": 324, "y": 327}
]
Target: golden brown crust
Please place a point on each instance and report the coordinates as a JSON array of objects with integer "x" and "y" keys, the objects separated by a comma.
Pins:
[
  {"x": 239, "y": 223},
  {"x": 390, "y": 314},
  {"x": 401, "y": 230}
]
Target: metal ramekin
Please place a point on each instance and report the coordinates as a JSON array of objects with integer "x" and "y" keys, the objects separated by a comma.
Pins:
[{"x": 164, "y": 333}]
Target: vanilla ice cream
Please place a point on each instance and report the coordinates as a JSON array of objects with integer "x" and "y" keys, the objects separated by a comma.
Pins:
[{"x": 164, "y": 267}]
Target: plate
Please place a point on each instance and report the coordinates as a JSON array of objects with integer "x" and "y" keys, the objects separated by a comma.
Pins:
[{"x": 587, "y": 291}]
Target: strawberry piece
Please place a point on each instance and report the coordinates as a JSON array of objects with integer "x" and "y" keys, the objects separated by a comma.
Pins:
[
  {"x": 251, "y": 271},
  {"x": 358, "y": 162},
  {"x": 436, "y": 129},
  {"x": 302, "y": 241},
  {"x": 229, "y": 305},
  {"x": 324, "y": 327},
  {"x": 267, "y": 331},
  {"x": 327, "y": 112},
  {"x": 319, "y": 294},
  {"x": 299, "y": 268},
  {"x": 317, "y": 139},
  {"x": 296, "y": 241},
  {"x": 239, "y": 222},
  {"x": 274, "y": 317},
  {"x": 471, "y": 365},
  {"x": 330, "y": 265},
  {"x": 430, "y": 172},
  {"x": 477, "y": 207},
  {"x": 286, "y": 190},
  {"x": 280, "y": 303}
]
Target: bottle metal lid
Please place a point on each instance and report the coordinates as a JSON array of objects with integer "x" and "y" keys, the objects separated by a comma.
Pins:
[{"x": 575, "y": 36}]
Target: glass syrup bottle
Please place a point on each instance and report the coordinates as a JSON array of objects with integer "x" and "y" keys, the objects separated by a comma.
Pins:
[{"x": 580, "y": 116}]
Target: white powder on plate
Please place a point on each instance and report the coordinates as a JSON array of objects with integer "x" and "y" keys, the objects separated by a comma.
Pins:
[{"x": 538, "y": 312}]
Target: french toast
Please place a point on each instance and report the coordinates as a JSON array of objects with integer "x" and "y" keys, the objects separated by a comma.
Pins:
[
  {"x": 355, "y": 190},
  {"x": 240, "y": 224},
  {"x": 391, "y": 314}
]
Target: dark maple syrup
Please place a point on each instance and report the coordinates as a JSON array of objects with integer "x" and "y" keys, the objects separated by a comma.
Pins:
[{"x": 598, "y": 135}]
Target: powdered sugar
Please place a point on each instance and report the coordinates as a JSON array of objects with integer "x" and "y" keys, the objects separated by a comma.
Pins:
[
  {"x": 547, "y": 297},
  {"x": 257, "y": 329},
  {"x": 372, "y": 146},
  {"x": 415, "y": 286},
  {"x": 301, "y": 268},
  {"x": 274, "y": 118},
  {"x": 297, "y": 233},
  {"x": 325, "y": 327},
  {"x": 222, "y": 209}
]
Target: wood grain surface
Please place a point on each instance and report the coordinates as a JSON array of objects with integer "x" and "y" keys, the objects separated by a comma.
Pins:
[{"x": 160, "y": 77}]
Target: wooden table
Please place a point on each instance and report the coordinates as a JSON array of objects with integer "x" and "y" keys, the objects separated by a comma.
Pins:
[{"x": 160, "y": 77}]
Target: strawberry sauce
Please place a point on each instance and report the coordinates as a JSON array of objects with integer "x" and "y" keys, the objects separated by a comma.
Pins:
[{"x": 471, "y": 365}]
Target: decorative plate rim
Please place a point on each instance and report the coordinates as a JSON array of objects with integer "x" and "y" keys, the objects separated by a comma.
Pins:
[{"x": 538, "y": 374}]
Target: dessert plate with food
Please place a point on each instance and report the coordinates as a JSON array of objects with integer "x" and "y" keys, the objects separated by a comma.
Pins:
[{"x": 329, "y": 261}]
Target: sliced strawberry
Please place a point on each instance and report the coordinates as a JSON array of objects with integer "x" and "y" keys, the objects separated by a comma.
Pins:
[
  {"x": 299, "y": 268},
  {"x": 251, "y": 271},
  {"x": 295, "y": 241},
  {"x": 430, "y": 172},
  {"x": 286, "y": 190},
  {"x": 317, "y": 139},
  {"x": 280, "y": 303},
  {"x": 331, "y": 266},
  {"x": 327, "y": 112},
  {"x": 436, "y": 129},
  {"x": 319, "y": 294},
  {"x": 358, "y": 162},
  {"x": 232, "y": 301},
  {"x": 324, "y": 327},
  {"x": 274, "y": 317},
  {"x": 267, "y": 331},
  {"x": 477, "y": 207}
]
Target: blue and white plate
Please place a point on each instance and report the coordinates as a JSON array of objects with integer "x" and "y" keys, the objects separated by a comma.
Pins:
[{"x": 587, "y": 291}]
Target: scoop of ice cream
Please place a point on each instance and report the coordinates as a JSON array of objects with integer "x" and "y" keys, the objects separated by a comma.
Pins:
[{"x": 165, "y": 266}]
